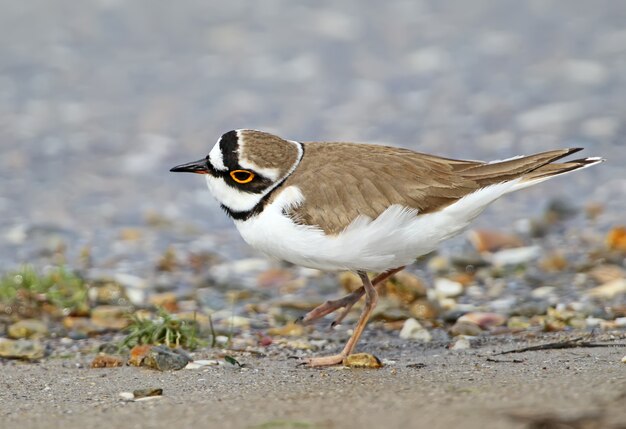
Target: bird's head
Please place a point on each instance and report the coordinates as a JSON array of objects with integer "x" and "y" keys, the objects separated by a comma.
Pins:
[{"x": 244, "y": 166}]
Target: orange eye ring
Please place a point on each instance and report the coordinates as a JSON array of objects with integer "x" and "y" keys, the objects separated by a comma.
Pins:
[{"x": 242, "y": 176}]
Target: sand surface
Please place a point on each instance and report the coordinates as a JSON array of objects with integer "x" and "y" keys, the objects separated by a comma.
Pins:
[{"x": 421, "y": 386}]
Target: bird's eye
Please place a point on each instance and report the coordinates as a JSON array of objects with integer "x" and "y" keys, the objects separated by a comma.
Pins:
[{"x": 242, "y": 176}]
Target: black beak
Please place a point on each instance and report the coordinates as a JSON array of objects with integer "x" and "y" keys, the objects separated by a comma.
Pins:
[{"x": 198, "y": 167}]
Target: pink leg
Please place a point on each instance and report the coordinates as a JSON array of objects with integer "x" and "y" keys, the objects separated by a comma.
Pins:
[
  {"x": 371, "y": 298},
  {"x": 346, "y": 302}
]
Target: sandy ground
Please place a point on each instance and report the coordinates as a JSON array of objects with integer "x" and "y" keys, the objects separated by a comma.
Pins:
[{"x": 445, "y": 389}]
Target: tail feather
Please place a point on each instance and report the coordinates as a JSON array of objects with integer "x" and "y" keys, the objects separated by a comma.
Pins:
[
  {"x": 560, "y": 168},
  {"x": 549, "y": 171},
  {"x": 514, "y": 168}
]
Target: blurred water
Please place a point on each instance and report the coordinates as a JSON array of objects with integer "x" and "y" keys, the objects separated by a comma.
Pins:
[{"x": 99, "y": 98}]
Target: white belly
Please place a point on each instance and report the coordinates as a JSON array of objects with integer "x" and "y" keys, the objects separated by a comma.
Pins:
[{"x": 394, "y": 239}]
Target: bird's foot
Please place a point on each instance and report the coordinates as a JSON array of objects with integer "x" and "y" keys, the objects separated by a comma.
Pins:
[
  {"x": 317, "y": 362},
  {"x": 330, "y": 306}
]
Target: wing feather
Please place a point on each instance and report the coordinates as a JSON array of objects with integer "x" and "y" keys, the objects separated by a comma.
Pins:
[{"x": 341, "y": 181}]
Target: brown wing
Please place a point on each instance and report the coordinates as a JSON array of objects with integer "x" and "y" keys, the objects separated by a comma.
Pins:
[{"x": 341, "y": 181}]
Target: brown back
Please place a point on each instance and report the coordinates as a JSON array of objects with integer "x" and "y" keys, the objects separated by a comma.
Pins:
[{"x": 341, "y": 181}]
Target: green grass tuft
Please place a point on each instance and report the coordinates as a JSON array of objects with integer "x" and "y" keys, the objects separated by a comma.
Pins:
[
  {"x": 166, "y": 329},
  {"x": 25, "y": 291}
]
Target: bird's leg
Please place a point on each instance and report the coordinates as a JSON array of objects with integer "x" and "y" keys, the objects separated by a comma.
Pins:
[
  {"x": 371, "y": 298},
  {"x": 378, "y": 280},
  {"x": 346, "y": 302}
]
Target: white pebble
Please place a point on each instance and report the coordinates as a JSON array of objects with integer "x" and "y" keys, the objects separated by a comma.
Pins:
[
  {"x": 447, "y": 288},
  {"x": 221, "y": 339},
  {"x": 412, "y": 330},
  {"x": 516, "y": 256},
  {"x": 197, "y": 364},
  {"x": 462, "y": 343},
  {"x": 543, "y": 292},
  {"x": 127, "y": 396}
]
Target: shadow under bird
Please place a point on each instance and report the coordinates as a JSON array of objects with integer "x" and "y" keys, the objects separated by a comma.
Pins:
[{"x": 357, "y": 207}]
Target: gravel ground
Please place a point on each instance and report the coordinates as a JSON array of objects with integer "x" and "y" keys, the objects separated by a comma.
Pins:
[{"x": 421, "y": 386}]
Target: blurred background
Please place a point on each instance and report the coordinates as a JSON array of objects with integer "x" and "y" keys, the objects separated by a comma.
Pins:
[{"x": 99, "y": 98}]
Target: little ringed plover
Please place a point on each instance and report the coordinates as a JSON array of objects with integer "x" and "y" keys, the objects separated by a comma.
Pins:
[{"x": 358, "y": 207}]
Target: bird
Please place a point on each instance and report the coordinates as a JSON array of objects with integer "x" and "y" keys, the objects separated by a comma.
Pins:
[{"x": 365, "y": 208}]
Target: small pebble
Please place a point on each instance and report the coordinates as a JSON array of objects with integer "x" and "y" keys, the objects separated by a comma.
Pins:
[
  {"x": 145, "y": 393},
  {"x": 81, "y": 326},
  {"x": 543, "y": 292},
  {"x": 516, "y": 256},
  {"x": 21, "y": 349},
  {"x": 106, "y": 361},
  {"x": 518, "y": 322},
  {"x": 608, "y": 290},
  {"x": 110, "y": 316},
  {"x": 483, "y": 320},
  {"x": 138, "y": 353},
  {"x": 616, "y": 238},
  {"x": 222, "y": 339},
  {"x": 412, "y": 330},
  {"x": 127, "y": 396},
  {"x": 197, "y": 364},
  {"x": 465, "y": 328},
  {"x": 531, "y": 308},
  {"x": 447, "y": 288},
  {"x": 158, "y": 357},
  {"x": 423, "y": 309},
  {"x": 362, "y": 360},
  {"x": 461, "y": 343},
  {"x": 28, "y": 328},
  {"x": 165, "y": 300},
  {"x": 490, "y": 241},
  {"x": 165, "y": 359},
  {"x": 408, "y": 287}
]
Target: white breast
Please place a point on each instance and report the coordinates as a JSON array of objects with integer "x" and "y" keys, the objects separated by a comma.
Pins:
[{"x": 394, "y": 239}]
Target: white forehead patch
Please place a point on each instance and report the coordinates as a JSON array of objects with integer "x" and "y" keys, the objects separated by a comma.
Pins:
[
  {"x": 215, "y": 156},
  {"x": 271, "y": 173}
]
